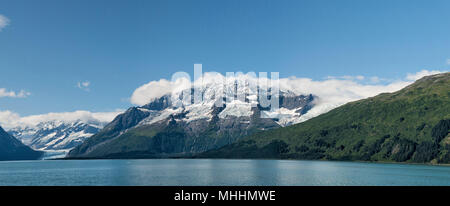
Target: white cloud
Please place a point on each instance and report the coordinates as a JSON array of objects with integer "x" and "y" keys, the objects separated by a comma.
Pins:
[
  {"x": 21, "y": 94},
  {"x": 448, "y": 62},
  {"x": 155, "y": 89},
  {"x": 333, "y": 93},
  {"x": 375, "y": 79},
  {"x": 84, "y": 85},
  {"x": 9, "y": 119},
  {"x": 418, "y": 75},
  {"x": 4, "y": 21},
  {"x": 347, "y": 77}
]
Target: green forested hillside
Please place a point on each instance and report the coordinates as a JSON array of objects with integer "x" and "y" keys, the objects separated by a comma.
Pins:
[
  {"x": 410, "y": 125},
  {"x": 166, "y": 138}
]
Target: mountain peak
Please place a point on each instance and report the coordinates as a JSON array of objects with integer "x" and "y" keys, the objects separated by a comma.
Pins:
[
  {"x": 410, "y": 125},
  {"x": 13, "y": 149},
  {"x": 162, "y": 128},
  {"x": 57, "y": 134}
]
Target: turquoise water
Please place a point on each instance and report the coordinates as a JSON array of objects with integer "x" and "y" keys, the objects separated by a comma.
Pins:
[{"x": 217, "y": 172}]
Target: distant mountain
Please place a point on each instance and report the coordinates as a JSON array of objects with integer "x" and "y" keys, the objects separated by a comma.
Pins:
[
  {"x": 410, "y": 125},
  {"x": 13, "y": 149},
  {"x": 159, "y": 129},
  {"x": 56, "y": 135}
]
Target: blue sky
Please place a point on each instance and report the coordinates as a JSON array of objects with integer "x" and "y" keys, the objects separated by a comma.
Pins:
[{"x": 50, "y": 46}]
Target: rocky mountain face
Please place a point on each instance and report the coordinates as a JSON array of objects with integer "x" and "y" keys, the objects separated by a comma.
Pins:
[
  {"x": 13, "y": 149},
  {"x": 410, "y": 125},
  {"x": 162, "y": 129},
  {"x": 55, "y": 135}
]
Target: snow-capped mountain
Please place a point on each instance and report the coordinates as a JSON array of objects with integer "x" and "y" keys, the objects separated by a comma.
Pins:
[
  {"x": 173, "y": 125},
  {"x": 56, "y": 135},
  {"x": 237, "y": 99}
]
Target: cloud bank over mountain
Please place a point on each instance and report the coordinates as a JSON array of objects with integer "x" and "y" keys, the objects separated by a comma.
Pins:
[
  {"x": 332, "y": 91},
  {"x": 418, "y": 75},
  {"x": 155, "y": 89}
]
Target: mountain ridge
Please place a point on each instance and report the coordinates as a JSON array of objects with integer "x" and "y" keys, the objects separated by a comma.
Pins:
[
  {"x": 13, "y": 149},
  {"x": 148, "y": 131},
  {"x": 410, "y": 125},
  {"x": 55, "y": 135}
]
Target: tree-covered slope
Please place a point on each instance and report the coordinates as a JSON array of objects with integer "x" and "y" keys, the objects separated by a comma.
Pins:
[
  {"x": 13, "y": 149},
  {"x": 170, "y": 138},
  {"x": 410, "y": 125},
  {"x": 119, "y": 125},
  {"x": 165, "y": 129}
]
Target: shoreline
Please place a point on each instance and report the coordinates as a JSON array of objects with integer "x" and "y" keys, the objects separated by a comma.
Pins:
[{"x": 356, "y": 161}]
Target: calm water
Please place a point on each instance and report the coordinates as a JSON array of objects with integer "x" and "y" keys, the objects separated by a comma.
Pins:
[{"x": 217, "y": 172}]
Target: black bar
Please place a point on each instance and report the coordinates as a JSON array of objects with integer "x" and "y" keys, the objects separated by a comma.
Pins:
[{"x": 353, "y": 195}]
